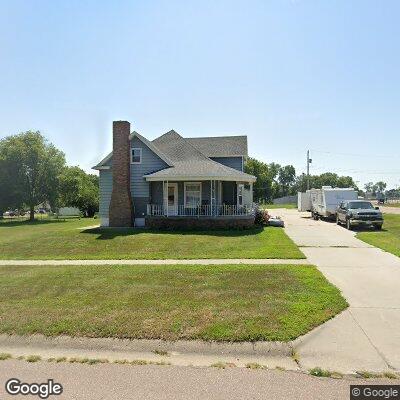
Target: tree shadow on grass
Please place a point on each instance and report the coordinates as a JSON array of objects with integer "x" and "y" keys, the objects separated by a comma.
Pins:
[
  {"x": 14, "y": 223},
  {"x": 360, "y": 229},
  {"x": 111, "y": 233}
]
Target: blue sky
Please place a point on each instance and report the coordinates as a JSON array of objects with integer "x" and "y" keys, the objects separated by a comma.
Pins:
[{"x": 290, "y": 74}]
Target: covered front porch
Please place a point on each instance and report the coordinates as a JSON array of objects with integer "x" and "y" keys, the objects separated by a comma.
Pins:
[{"x": 200, "y": 199}]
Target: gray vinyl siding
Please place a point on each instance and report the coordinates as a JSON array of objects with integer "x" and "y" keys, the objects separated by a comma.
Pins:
[
  {"x": 232, "y": 162},
  {"x": 140, "y": 206},
  {"x": 140, "y": 189},
  {"x": 105, "y": 186},
  {"x": 150, "y": 163}
]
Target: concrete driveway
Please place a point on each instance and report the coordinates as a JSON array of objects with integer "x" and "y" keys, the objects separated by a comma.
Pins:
[{"x": 367, "y": 335}]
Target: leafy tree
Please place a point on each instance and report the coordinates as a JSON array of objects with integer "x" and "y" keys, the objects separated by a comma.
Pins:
[
  {"x": 286, "y": 178},
  {"x": 79, "y": 189},
  {"x": 274, "y": 180},
  {"x": 380, "y": 186},
  {"x": 262, "y": 188},
  {"x": 30, "y": 169},
  {"x": 369, "y": 187},
  {"x": 325, "y": 179}
]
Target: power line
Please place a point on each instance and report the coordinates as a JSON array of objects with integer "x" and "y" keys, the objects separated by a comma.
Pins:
[
  {"x": 360, "y": 171},
  {"x": 353, "y": 154}
]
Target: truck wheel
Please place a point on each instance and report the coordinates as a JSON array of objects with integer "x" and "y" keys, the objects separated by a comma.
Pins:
[
  {"x": 348, "y": 225},
  {"x": 378, "y": 227}
]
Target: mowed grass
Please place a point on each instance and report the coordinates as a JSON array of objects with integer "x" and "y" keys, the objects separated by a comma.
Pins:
[
  {"x": 389, "y": 238},
  {"x": 220, "y": 303},
  {"x": 274, "y": 206},
  {"x": 67, "y": 240}
]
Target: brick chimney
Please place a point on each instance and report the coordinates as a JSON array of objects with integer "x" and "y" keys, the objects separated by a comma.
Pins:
[{"x": 121, "y": 211}]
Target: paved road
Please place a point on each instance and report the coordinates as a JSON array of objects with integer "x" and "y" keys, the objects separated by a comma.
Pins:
[
  {"x": 110, "y": 382},
  {"x": 367, "y": 335}
]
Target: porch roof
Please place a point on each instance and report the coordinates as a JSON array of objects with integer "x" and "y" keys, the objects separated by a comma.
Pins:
[{"x": 200, "y": 170}]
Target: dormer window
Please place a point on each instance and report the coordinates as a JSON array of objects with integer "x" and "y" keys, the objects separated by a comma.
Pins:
[{"x": 136, "y": 155}]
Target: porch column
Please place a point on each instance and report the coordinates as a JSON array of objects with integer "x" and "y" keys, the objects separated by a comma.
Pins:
[
  {"x": 212, "y": 198},
  {"x": 167, "y": 199},
  {"x": 165, "y": 202}
]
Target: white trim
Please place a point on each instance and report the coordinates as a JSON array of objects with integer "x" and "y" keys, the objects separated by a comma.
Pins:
[
  {"x": 200, "y": 178},
  {"x": 228, "y": 156},
  {"x": 184, "y": 192},
  {"x": 237, "y": 194},
  {"x": 140, "y": 151},
  {"x": 176, "y": 198},
  {"x": 103, "y": 161},
  {"x": 151, "y": 146},
  {"x": 103, "y": 167},
  {"x": 146, "y": 142}
]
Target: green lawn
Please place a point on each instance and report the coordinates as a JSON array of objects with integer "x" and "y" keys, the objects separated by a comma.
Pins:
[
  {"x": 49, "y": 239},
  {"x": 273, "y": 206},
  {"x": 389, "y": 238},
  {"x": 224, "y": 302}
]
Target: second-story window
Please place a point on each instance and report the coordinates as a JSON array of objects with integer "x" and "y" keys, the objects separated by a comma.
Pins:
[{"x": 136, "y": 155}]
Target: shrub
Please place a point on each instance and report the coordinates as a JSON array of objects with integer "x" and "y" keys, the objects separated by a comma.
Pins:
[{"x": 261, "y": 217}]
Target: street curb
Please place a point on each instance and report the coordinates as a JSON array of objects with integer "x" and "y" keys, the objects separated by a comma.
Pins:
[
  {"x": 250, "y": 261},
  {"x": 268, "y": 349}
]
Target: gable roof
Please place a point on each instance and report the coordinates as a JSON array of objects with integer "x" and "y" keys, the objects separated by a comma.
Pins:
[
  {"x": 221, "y": 146},
  {"x": 178, "y": 148},
  {"x": 190, "y": 162},
  {"x": 189, "y": 158},
  {"x": 153, "y": 148},
  {"x": 150, "y": 145}
]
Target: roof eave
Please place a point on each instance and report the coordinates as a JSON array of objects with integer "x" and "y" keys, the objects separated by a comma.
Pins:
[
  {"x": 152, "y": 147},
  {"x": 188, "y": 178}
]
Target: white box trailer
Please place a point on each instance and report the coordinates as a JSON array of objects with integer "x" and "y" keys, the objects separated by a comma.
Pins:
[
  {"x": 324, "y": 201},
  {"x": 304, "y": 201}
]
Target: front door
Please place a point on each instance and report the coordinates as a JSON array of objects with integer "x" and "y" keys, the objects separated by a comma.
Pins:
[{"x": 172, "y": 199}]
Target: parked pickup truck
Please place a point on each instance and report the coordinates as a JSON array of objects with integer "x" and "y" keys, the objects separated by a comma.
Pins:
[{"x": 359, "y": 213}]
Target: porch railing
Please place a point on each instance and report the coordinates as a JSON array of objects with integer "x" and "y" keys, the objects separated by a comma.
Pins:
[{"x": 199, "y": 211}]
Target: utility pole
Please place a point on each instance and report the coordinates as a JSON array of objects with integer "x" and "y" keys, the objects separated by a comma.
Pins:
[{"x": 309, "y": 161}]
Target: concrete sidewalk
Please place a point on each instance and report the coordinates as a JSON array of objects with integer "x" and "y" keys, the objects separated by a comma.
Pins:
[
  {"x": 251, "y": 261},
  {"x": 367, "y": 335}
]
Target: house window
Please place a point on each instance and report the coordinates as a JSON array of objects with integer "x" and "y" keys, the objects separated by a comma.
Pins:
[
  {"x": 240, "y": 189},
  {"x": 192, "y": 194},
  {"x": 136, "y": 155}
]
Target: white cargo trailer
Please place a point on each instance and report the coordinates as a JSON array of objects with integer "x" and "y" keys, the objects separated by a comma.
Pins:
[
  {"x": 324, "y": 201},
  {"x": 304, "y": 201}
]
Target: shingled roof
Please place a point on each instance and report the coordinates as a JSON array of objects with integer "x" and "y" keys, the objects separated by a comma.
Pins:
[
  {"x": 190, "y": 162},
  {"x": 221, "y": 146},
  {"x": 190, "y": 158}
]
